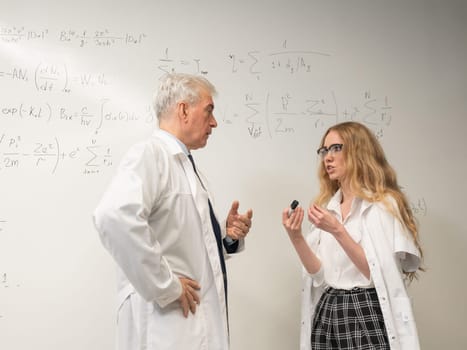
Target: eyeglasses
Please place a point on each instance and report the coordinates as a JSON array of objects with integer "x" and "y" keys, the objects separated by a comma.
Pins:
[{"x": 334, "y": 148}]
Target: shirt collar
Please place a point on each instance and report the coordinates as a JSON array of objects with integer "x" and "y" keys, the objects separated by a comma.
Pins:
[
  {"x": 175, "y": 145},
  {"x": 335, "y": 201}
]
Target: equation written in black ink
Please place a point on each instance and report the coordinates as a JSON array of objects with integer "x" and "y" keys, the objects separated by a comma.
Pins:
[
  {"x": 5, "y": 282},
  {"x": 274, "y": 114},
  {"x": 14, "y": 34},
  {"x": 17, "y": 153},
  {"x": 54, "y": 77},
  {"x": 94, "y": 117},
  {"x": 6, "y": 286},
  {"x": 419, "y": 207},
  {"x": 78, "y": 37}
]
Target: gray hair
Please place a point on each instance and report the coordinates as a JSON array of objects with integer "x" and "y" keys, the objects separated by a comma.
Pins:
[{"x": 176, "y": 87}]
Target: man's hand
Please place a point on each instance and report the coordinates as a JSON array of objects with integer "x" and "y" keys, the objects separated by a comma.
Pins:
[
  {"x": 189, "y": 297},
  {"x": 238, "y": 225}
]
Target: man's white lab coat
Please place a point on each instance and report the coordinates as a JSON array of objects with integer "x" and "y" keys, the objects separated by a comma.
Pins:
[
  {"x": 389, "y": 249},
  {"x": 154, "y": 220}
]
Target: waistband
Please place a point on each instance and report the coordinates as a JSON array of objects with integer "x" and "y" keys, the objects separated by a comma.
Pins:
[{"x": 355, "y": 290}]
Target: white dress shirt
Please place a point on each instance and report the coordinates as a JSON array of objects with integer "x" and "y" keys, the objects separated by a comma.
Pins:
[{"x": 337, "y": 270}]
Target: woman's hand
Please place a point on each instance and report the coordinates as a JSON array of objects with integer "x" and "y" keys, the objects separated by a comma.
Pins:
[
  {"x": 324, "y": 220},
  {"x": 293, "y": 223},
  {"x": 293, "y": 226}
]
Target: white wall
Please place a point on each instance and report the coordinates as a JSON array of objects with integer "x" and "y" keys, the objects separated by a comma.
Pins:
[{"x": 76, "y": 82}]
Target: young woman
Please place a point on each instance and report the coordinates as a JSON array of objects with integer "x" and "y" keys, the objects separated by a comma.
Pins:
[{"x": 361, "y": 251}]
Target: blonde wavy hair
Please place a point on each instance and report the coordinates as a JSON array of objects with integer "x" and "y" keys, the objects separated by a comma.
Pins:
[{"x": 369, "y": 175}]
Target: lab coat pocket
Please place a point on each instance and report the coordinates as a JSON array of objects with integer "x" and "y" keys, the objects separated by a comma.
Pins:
[
  {"x": 404, "y": 317},
  {"x": 123, "y": 297},
  {"x": 167, "y": 328}
]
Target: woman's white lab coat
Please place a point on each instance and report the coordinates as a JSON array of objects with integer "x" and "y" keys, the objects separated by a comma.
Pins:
[
  {"x": 154, "y": 220},
  {"x": 389, "y": 249}
]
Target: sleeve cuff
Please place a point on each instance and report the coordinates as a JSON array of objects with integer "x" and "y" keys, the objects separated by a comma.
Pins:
[
  {"x": 230, "y": 245},
  {"x": 317, "y": 277}
]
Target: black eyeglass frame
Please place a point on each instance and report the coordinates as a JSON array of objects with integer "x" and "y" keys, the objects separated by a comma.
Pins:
[{"x": 335, "y": 147}]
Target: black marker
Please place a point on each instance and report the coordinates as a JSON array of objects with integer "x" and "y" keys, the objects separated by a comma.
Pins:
[{"x": 293, "y": 205}]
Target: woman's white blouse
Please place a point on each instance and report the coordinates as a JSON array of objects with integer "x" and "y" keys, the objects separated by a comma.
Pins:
[{"x": 337, "y": 270}]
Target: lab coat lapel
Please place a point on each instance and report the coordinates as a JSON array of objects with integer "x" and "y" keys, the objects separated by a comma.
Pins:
[{"x": 190, "y": 175}]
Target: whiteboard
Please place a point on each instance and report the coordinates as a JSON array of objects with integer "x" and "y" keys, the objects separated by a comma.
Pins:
[{"x": 76, "y": 82}]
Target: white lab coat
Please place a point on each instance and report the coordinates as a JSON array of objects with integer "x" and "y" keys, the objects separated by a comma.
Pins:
[
  {"x": 389, "y": 249},
  {"x": 154, "y": 220}
]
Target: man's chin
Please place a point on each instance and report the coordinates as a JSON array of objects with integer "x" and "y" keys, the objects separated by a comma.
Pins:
[{"x": 200, "y": 145}]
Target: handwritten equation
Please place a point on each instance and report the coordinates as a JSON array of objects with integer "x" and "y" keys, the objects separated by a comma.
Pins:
[
  {"x": 5, "y": 282},
  {"x": 82, "y": 38},
  {"x": 86, "y": 116},
  {"x": 100, "y": 37},
  {"x": 168, "y": 64},
  {"x": 419, "y": 207},
  {"x": 267, "y": 114},
  {"x": 51, "y": 77},
  {"x": 259, "y": 63},
  {"x": 13, "y": 34},
  {"x": 255, "y": 62},
  {"x": 271, "y": 114},
  {"x": 16, "y": 153},
  {"x": 6, "y": 285},
  {"x": 274, "y": 114}
]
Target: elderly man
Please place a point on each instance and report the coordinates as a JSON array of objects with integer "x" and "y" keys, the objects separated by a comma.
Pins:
[{"x": 157, "y": 221}]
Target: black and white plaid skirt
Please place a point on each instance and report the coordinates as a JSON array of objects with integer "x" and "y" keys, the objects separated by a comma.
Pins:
[{"x": 349, "y": 319}]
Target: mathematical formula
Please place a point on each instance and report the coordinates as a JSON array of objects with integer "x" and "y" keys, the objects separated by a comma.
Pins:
[
  {"x": 274, "y": 114},
  {"x": 51, "y": 77},
  {"x": 262, "y": 112},
  {"x": 419, "y": 207},
  {"x": 93, "y": 117},
  {"x": 16, "y": 153},
  {"x": 99, "y": 37},
  {"x": 6, "y": 285}
]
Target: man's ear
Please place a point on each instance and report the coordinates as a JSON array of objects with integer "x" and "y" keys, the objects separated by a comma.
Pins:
[{"x": 182, "y": 111}]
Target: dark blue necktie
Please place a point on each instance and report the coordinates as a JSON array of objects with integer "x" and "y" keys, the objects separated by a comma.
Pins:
[{"x": 217, "y": 231}]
